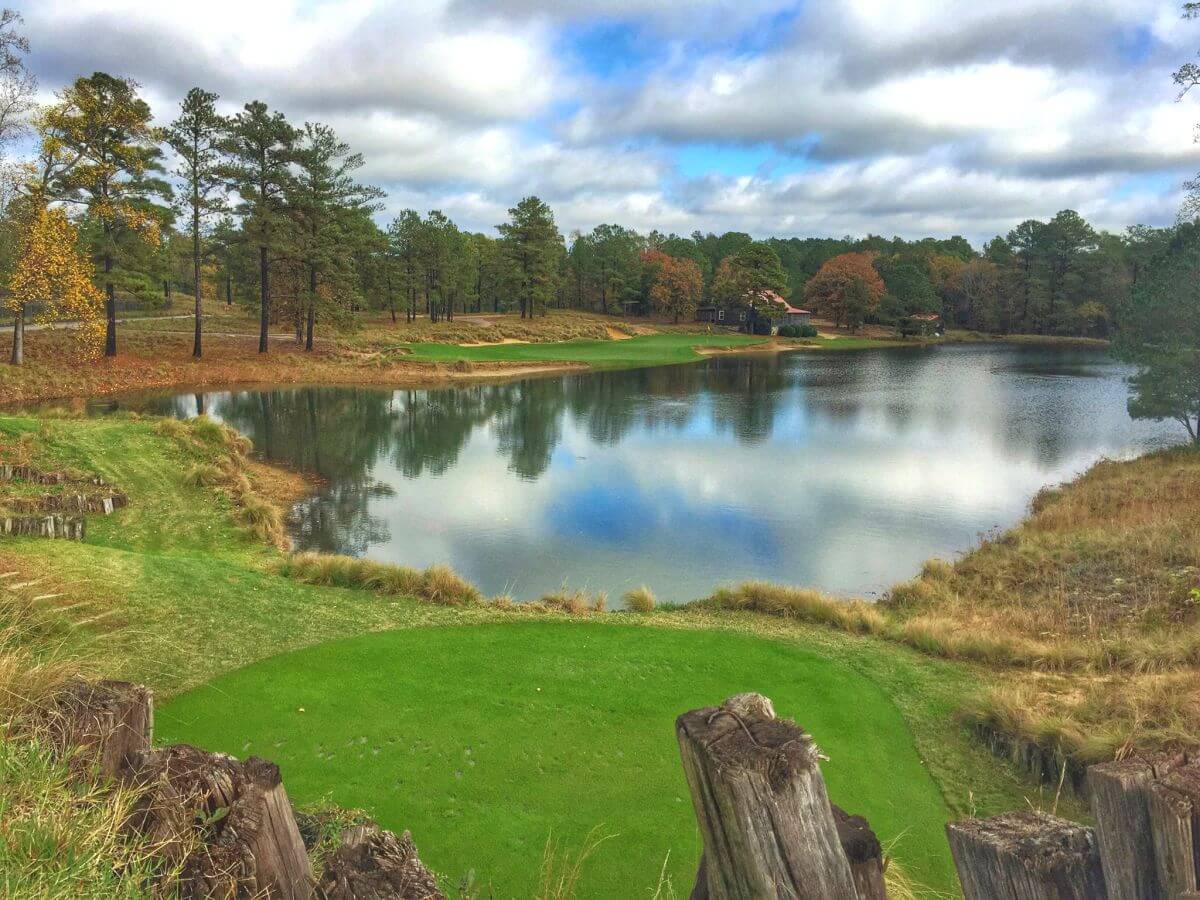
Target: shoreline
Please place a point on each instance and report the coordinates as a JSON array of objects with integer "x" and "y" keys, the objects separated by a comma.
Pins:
[{"x": 161, "y": 362}]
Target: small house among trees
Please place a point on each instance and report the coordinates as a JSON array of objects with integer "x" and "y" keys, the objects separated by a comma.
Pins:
[{"x": 740, "y": 315}]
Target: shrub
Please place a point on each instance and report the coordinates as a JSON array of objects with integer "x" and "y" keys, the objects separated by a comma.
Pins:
[
  {"x": 639, "y": 600},
  {"x": 203, "y": 475},
  {"x": 797, "y": 331}
]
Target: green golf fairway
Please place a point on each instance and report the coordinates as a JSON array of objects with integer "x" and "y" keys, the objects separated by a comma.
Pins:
[
  {"x": 646, "y": 350},
  {"x": 487, "y": 740}
]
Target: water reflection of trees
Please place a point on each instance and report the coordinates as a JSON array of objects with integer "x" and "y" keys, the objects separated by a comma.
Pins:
[
  {"x": 337, "y": 433},
  {"x": 344, "y": 434}
]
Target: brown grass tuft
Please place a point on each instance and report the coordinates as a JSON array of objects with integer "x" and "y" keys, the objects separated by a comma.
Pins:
[
  {"x": 639, "y": 600},
  {"x": 437, "y": 584}
]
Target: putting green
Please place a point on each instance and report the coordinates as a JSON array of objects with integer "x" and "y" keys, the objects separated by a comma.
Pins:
[{"x": 486, "y": 740}]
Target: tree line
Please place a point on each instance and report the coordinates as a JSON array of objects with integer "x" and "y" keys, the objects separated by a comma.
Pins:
[{"x": 258, "y": 210}]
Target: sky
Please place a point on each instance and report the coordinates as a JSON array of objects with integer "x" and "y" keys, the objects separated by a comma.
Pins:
[{"x": 892, "y": 117}]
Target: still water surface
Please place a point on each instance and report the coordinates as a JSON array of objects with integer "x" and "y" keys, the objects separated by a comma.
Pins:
[{"x": 840, "y": 471}]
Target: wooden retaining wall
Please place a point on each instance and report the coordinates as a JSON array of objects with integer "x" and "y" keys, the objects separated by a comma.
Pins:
[
  {"x": 70, "y": 528},
  {"x": 55, "y": 515},
  {"x": 1033, "y": 759}
]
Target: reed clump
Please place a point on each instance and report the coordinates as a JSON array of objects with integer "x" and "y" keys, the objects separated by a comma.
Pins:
[
  {"x": 802, "y": 604},
  {"x": 574, "y": 602},
  {"x": 224, "y": 465},
  {"x": 437, "y": 584},
  {"x": 640, "y": 600}
]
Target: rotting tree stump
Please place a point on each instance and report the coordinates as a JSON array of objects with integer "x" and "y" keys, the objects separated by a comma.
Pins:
[
  {"x": 1026, "y": 856},
  {"x": 765, "y": 819},
  {"x": 228, "y": 823},
  {"x": 372, "y": 864},
  {"x": 105, "y": 724}
]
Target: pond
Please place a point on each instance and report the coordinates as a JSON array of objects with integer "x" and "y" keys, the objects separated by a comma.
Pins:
[{"x": 842, "y": 471}]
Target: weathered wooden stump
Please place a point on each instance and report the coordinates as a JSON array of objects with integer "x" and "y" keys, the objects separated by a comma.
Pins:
[
  {"x": 765, "y": 819},
  {"x": 230, "y": 823},
  {"x": 105, "y": 724},
  {"x": 1173, "y": 805},
  {"x": 371, "y": 864},
  {"x": 1119, "y": 799},
  {"x": 1026, "y": 856},
  {"x": 863, "y": 852}
]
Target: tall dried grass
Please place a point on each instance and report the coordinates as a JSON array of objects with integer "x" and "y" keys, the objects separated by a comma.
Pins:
[
  {"x": 437, "y": 584},
  {"x": 64, "y": 837}
]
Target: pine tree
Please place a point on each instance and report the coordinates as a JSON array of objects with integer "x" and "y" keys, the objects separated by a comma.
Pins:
[
  {"x": 324, "y": 200},
  {"x": 534, "y": 245},
  {"x": 259, "y": 148},
  {"x": 195, "y": 136}
]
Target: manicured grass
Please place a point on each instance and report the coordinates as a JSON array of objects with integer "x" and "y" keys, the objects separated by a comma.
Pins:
[
  {"x": 486, "y": 741},
  {"x": 646, "y": 350}
]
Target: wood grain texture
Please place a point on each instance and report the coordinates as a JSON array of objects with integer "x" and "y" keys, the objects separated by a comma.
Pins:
[{"x": 765, "y": 818}]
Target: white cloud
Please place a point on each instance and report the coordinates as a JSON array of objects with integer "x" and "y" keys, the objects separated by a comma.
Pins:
[{"x": 918, "y": 117}]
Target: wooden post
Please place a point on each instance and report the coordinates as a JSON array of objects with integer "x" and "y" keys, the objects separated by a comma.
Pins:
[
  {"x": 263, "y": 821},
  {"x": 371, "y": 863},
  {"x": 110, "y": 722},
  {"x": 765, "y": 820},
  {"x": 863, "y": 852},
  {"x": 1026, "y": 856},
  {"x": 1118, "y": 794},
  {"x": 1171, "y": 817},
  {"x": 1174, "y": 809},
  {"x": 229, "y": 823}
]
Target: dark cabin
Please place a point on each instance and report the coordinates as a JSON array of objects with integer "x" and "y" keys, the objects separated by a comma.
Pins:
[{"x": 737, "y": 315}]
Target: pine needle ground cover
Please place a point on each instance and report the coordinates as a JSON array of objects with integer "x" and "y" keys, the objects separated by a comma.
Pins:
[{"x": 488, "y": 741}]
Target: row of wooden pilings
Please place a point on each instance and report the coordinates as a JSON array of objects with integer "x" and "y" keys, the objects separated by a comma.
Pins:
[
  {"x": 55, "y": 515},
  {"x": 766, "y": 822},
  {"x": 71, "y": 528},
  {"x": 769, "y": 829}
]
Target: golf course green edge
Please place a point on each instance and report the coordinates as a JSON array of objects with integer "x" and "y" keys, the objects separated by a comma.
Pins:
[{"x": 491, "y": 740}]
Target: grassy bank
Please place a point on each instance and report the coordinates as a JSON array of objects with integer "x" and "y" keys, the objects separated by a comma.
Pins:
[
  {"x": 178, "y": 590},
  {"x": 1084, "y": 615}
]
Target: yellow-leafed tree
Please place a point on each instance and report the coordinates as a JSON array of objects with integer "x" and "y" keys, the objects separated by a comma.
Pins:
[{"x": 51, "y": 271}]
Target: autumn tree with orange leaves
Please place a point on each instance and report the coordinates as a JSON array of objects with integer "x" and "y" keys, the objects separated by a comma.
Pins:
[
  {"x": 52, "y": 273},
  {"x": 675, "y": 284},
  {"x": 845, "y": 289},
  {"x": 100, "y": 154}
]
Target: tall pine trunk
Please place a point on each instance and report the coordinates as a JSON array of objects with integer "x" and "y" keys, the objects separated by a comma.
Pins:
[
  {"x": 18, "y": 347},
  {"x": 196, "y": 348},
  {"x": 312, "y": 308},
  {"x": 110, "y": 309},
  {"x": 228, "y": 289},
  {"x": 265, "y": 295}
]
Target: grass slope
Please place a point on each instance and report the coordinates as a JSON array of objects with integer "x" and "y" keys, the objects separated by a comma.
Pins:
[{"x": 486, "y": 741}]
